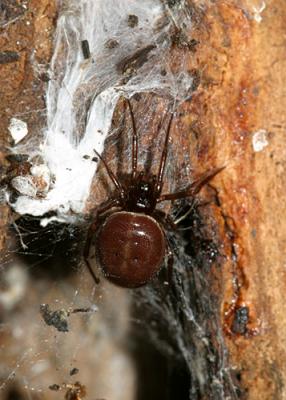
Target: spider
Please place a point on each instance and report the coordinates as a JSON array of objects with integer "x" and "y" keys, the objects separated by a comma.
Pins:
[{"x": 129, "y": 231}]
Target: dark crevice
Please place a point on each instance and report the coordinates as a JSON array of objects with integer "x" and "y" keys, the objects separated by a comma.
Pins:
[
  {"x": 53, "y": 252},
  {"x": 160, "y": 377},
  {"x": 14, "y": 394}
]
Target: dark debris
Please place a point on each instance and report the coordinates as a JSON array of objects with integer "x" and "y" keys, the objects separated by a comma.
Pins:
[
  {"x": 54, "y": 387},
  {"x": 85, "y": 49},
  {"x": 132, "y": 21},
  {"x": 75, "y": 391},
  {"x": 74, "y": 371},
  {"x": 181, "y": 40},
  {"x": 17, "y": 158},
  {"x": 240, "y": 321},
  {"x": 130, "y": 64},
  {"x": 8, "y": 57},
  {"x": 111, "y": 44},
  {"x": 173, "y": 3},
  {"x": 58, "y": 318}
]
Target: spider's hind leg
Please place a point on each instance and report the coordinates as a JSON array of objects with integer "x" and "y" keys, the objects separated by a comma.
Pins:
[
  {"x": 165, "y": 220},
  {"x": 87, "y": 251},
  {"x": 167, "y": 223}
]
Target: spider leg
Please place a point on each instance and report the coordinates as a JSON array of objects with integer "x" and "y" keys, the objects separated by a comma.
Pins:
[
  {"x": 111, "y": 175},
  {"x": 165, "y": 220},
  {"x": 107, "y": 206},
  {"x": 184, "y": 216},
  {"x": 134, "y": 141},
  {"x": 159, "y": 183},
  {"x": 193, "y": 188},
  {"x": 92, "y": 229},
  {"x": 86, "y": 251},
  {"x": 98, "y": 210}
]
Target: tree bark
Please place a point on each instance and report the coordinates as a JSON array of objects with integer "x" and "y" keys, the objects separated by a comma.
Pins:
[{"x": 241, "y": 59}]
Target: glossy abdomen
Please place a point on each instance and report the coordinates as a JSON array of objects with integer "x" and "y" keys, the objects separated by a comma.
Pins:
[{"x": 130, "y": 248}]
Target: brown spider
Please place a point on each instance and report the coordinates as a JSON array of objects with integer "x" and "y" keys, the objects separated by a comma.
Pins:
[{"x": 131, "y": 243}]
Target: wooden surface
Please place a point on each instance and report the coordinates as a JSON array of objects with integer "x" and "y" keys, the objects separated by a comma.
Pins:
[
  {"x": 240, "y": 65},
  {"x": 242, "y": 91}
]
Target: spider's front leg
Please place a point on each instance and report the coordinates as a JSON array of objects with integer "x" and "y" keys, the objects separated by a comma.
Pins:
[{"x": 194, "y": 188}]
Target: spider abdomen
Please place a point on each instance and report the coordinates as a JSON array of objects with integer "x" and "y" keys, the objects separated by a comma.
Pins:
[{"x": 130, "y": 248}]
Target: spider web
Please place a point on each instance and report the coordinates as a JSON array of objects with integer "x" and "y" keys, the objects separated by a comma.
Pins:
[{"x": 54, "y": 321}]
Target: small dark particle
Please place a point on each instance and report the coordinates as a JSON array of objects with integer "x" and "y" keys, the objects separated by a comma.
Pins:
[
  {"x": 85, "y": 49},
  {"x": 54, "y": 387},
  {"x": 172, "y": 3},
  {"x": 196, "y": 79},
  {"x": 83, "y": 310},
  {"x": 163, "y": 72},
  {"x": 74, "y": 371},
  {"x": 132, "y": 21},
  {"x": 181, "y": 40},
  {"x": 94, "y": 159},
  {"x": 18, "y": 158},
  {"x": 135, "y": 61},
  {"x": 58, "y": 319},
  {"x": 8, "y": 57},
  {"x": 75, "y": 391},
  {"x": 137, "y": 97},
  {"x": 240, "y": 321},
  {"x": 111, "y": 44},
  {"x": 45, "y": 77},
  {"x": 192, "y": 44},
  {"x": 86, "y": 157}
]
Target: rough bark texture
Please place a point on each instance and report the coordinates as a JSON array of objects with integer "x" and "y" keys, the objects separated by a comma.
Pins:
[
  {"x": 26, "y": 32},
  {"x": 242, "y": 62},
  {"x": 240, "y": 70}
]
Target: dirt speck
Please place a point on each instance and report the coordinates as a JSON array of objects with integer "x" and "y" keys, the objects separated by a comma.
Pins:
[{"x": 132, "y": 21}]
